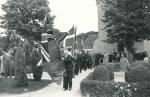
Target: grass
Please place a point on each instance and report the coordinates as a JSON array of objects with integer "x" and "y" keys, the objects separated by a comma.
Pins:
[{"x": 8, "y": 86}]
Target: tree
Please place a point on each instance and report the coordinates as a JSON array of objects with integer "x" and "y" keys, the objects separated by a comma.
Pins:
[
  {"x": 19, "y": 68},
  {"x": 26, "y": 16},
  {"x": 25, "y": 19},
  {"x": 127, "y": 20}
]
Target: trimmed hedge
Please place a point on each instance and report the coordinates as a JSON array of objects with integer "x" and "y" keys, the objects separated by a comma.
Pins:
[
  {"x": 139, "y": 63},
  {"x": 139, "y": 71},
  {"x": 101, "y": 73},
  {"x": 97, "y": 88},
  {"x": 139, "y": 74},
  {"x": 112, "y": 67}
]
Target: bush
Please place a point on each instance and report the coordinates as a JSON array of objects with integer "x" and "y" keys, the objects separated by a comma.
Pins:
[
  {"x": 139, "y": 74},
  {"x": 101, "y": 73},
  {"x": 37, "y": 73},
  {"x": 139, "y": 63},
  {"x": 97, "y": 88},
  {"x": 37, "y": 70},
  {"x": 112, "y": 67}
]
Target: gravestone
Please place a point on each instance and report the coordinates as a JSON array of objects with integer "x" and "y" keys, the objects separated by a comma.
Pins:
[{"x": 119, "y": 76}]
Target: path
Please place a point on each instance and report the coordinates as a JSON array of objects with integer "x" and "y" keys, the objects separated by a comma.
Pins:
[{"x": 53, "y": 90}]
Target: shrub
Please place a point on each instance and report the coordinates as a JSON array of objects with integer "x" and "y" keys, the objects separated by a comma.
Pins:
[
  {"x": 97, "y": 88},
  {"x": 112, "y": 67},
  {"x": 139, "y": 74},
  {"x": 37, "y": 70},
  {"x": 139, "y": 63},
  {"x": 37, "y": 73},
  {"x": 101, "y": 73}
]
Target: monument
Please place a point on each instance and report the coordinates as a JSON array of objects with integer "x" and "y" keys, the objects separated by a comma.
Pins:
[{"x": 119, "y": 76}]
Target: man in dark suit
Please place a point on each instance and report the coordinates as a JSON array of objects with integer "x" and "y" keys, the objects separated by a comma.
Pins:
[{"x": 68, "y": 75}]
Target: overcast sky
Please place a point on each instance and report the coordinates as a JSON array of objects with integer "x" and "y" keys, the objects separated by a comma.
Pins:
[{"x": 81, "y": 13}]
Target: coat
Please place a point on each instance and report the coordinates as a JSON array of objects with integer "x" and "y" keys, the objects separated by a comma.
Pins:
[{"x": 68, "y": 63}]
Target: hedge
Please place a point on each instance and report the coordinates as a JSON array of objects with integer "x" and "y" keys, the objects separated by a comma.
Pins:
[
  {"x": 112, "y": 67},
  {"x": 139, "y": 71},
  {"x": 101, "y": 73},
  {"x": 139, "y": 74},
  {"x": 139, "y": 63},
  {"x": 97, "y": 88}
]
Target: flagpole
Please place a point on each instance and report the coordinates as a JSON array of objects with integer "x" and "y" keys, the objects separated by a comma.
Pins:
[
  {"x": 73, "y": 42},
  {"x": 82, "y": 40},
  {"x": 45, "y": 22}
]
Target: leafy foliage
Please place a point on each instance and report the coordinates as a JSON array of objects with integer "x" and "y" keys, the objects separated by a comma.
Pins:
[
  {"x": 25, "y": 16},
  {"x": 112, "y": 67},
  {"x": 128, "y": 20},
  {"x": 139, "y": 63},
  {"x": 101, "y": 73},
  {"x": 96, "y": 88},
  {"x": 139, "y": 74}
]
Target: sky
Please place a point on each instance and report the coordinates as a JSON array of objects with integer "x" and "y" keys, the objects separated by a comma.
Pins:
[{"x": 80, "y": 13}]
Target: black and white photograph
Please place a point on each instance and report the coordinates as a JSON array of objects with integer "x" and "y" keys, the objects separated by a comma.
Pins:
[{"x": 74, "y": 48}]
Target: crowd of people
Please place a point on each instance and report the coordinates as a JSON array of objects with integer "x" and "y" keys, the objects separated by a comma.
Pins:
[
  {"x": 77, "y": 61},
  {"x": 14, "y": 62}
]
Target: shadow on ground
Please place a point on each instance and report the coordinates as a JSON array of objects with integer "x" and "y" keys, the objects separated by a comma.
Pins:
[{"x": 8, "y": 86}]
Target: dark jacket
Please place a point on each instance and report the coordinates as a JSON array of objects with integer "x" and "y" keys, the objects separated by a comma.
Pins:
[{"x": 68, "y": 62}]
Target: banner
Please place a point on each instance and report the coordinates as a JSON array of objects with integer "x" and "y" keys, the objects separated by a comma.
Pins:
[
  {"x": 71, "y": 31},
  {"x": 51, "y": 53}
]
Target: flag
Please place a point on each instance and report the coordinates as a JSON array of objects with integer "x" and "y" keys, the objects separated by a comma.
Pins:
[
  {"x": 45, "y": 23},
  {"x": 75, "y": 39},
  {"x": 71, "y": 31},
  {"x": 82, "y": 42},
  {"x": 75, "y": 31},
  {"x": 54, "y": 67},
  {"x": 62, "y": 37},
  {"x": 74, "y": 45},
  {"x": 45, "y": 54},
  {"x": 53, "y": 63}
]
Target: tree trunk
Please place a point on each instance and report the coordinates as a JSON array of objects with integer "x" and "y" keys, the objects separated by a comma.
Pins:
[{"x": 130, "y": 56}]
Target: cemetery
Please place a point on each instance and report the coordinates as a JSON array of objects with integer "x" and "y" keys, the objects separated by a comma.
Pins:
[{"x": 39, "y": 59}]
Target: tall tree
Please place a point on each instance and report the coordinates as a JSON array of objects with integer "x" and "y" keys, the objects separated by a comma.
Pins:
[
  {"x": 127, "y": 20},
  {"x": 26, "y": 16}
]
